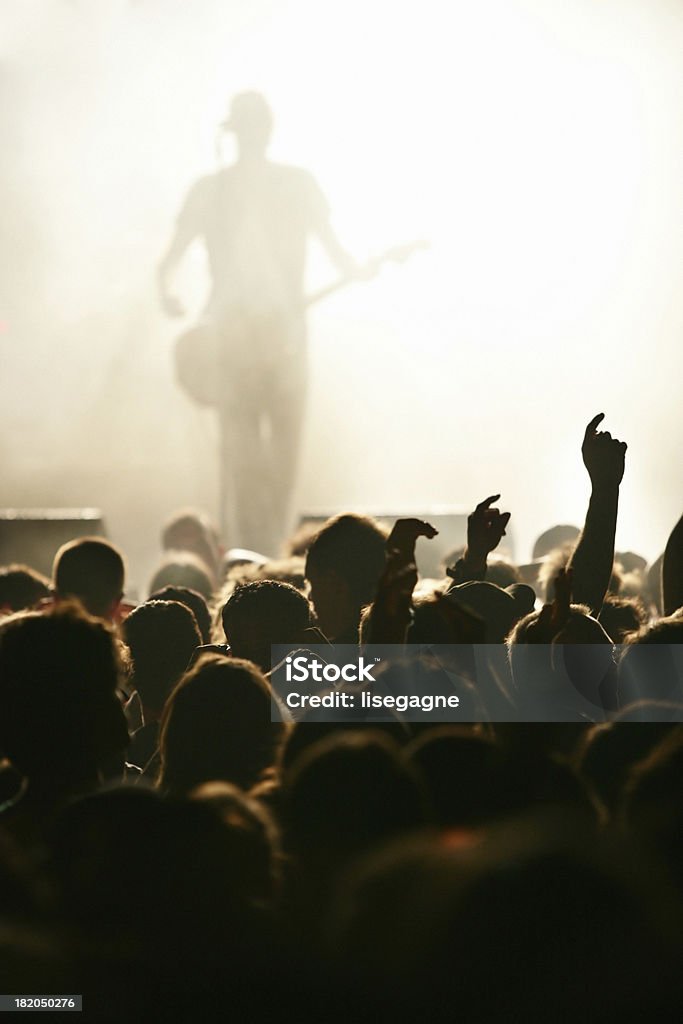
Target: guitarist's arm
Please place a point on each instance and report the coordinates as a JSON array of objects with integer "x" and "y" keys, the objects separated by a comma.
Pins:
[
  {"x": 319, "y": 225},
  {"x": 188, "y": 227},
  {"x": 341, "y": 259}
]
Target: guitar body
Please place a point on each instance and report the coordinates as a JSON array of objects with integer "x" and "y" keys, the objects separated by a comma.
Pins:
[
  {"x": 199, "y": 364},
  {"x": 212, "y": 360}
]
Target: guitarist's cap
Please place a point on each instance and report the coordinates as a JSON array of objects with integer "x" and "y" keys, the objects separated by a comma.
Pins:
[{"x": 248, "y": 110}]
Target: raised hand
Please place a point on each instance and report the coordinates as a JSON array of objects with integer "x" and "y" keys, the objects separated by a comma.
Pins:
[
  {"x": 603, "y": 455},
  {"x": 485, "y": 527},
  {"x": 403, "y": 537},
  {"x": 390, "y": 614}
]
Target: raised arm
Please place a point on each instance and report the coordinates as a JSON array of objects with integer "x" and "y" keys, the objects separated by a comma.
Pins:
[
  {"x": 391, "y": 609},
  {"x": 593, "y": 556},
  {"x": 672, "y": 571}
]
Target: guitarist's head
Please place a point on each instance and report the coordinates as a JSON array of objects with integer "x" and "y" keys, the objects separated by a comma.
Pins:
[{"x": 251, "y": 120}]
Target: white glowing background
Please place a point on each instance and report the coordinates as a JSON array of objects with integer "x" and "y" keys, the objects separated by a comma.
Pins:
[{"x": 537, "y": 145}]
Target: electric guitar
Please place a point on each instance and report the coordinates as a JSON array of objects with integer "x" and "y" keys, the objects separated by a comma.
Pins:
[{"x": 205, "y": 354}]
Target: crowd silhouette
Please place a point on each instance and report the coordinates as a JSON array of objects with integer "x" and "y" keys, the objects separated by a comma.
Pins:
[{"x": 173, "y": 850}]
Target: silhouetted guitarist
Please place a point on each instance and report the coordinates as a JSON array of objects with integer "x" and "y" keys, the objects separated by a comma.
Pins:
[{"x": 255, "y": 218}]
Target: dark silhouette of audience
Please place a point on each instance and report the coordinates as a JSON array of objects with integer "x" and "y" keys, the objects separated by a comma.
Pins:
[{"x": 519, "y": 859}]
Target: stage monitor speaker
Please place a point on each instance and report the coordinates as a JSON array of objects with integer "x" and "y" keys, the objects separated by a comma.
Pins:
[
  {"x": 450, "y": 522},
  {"x": 33, "y": 536}
]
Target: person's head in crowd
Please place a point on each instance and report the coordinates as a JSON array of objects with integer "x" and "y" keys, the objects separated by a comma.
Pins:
[
  {"x": 217, "y": 726},
  {"x": 344, "y": 563},
  {"x": 61, "y": 720},
  {"x": 498, "y": 609},
  {"x": 284, "y": 570},
  {"x": 92, "y": 570},
  {"x": 313, "y": 727},
  {"x": 162, "y": 637},
  {"x": 610, "y": 750},
  {"x": 21, "y": 588},
  {"x": 512, "y": 768},
  {"x": 580, "y": 627},
  {"x": 263, "y": 613},
  {"x": 257, "y": 852},
  {"x": 649, "y": 667},
  {"x": 193, "y": 600},
  {"x": 344, "y": 795},
  {"x": 183, "y": 569},
  {"x": 447, "y": 755},
  {"x": 502, "y": 572},
  {"x": 437, "y": 620},
  {"x": 652, "y": 806},
  {"x": 192, "y": 531},
  {"x": 622, "y": 616},
  {"x": 632, "y": 569},
  {"x": 555, "y": 537},
  {"x": 174, "y": 880},
  {"x": 630, "y": 561},
  {"x": 565, "y": 676}
]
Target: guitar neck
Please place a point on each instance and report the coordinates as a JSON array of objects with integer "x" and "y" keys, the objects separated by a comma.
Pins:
[{"x": 396, "y": 255}]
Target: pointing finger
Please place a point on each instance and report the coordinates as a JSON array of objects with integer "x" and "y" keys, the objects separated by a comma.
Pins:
[
  {"x": 487, "y": 502},
  {"x": 593, "y": 425}
]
